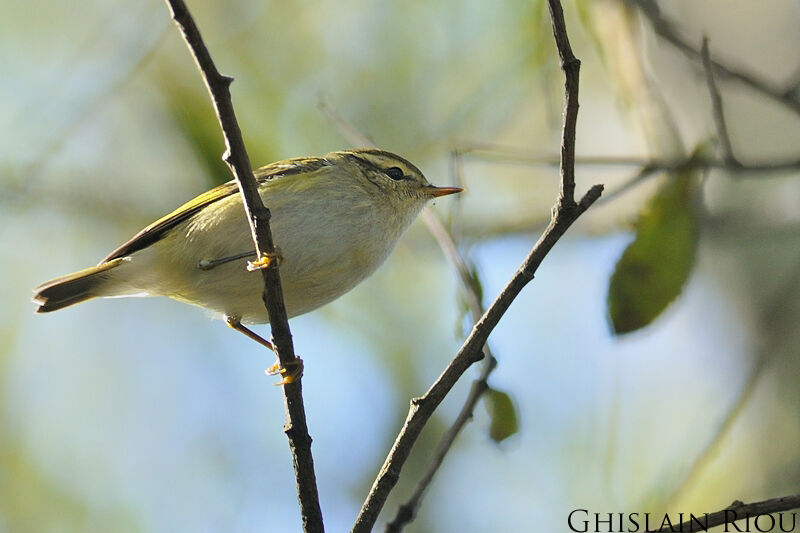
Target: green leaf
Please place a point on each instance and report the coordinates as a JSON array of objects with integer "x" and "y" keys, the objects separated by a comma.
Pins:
[
  {"x": 655, "y": 267},
  {"x": 502, "y": 413}
]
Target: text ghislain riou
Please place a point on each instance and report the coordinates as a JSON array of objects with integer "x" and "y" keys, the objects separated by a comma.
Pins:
[{"x": 584, "y": 521}]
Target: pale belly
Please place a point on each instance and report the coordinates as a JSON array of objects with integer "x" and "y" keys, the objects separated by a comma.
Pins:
[
  {"x": 321, "y": 261},
  {"x": 233, "y": 291}
]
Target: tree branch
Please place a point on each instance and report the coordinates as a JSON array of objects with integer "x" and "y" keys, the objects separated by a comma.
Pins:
[
  {"x": 571, "y": 67},
  {"x": 736, "y": 511},
  {"x": 512, "y": 155},
  {"x": 667, "y": 31},
  {"x": 565, "y": 212},
  {"x": 422, "y": 408},
  {"x": 716, "y": 107},
  {"x": 648, "y": 168},
  {"x": 258, "y": 218},
  {"x": 408, "y": 510}
]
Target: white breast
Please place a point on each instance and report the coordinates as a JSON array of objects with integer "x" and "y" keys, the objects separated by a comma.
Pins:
[{"x": 328, "y": 244}]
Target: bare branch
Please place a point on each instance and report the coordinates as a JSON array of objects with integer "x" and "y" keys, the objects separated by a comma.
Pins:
[
  {"x": 565, "y": 212},
  {"x": 666, "y": 30},
  {"x": 348, "y": 130},
  {"x": 736, "y": 511},
  {"x": 716, "y": 107},
  {"x": 571, "y": 67},
  {"x": 512, "y": 155},
  {"x": 423, "y": 407},
  {"x": 258, "y": 217},
  {"x": 408, "y": 510},
  {"x": 648, "y": 168}
]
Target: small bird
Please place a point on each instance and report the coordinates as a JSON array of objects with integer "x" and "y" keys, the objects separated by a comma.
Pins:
[{"x": 335, "y": 219}]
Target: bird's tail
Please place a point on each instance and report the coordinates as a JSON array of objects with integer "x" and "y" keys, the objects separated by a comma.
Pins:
[{"x": 74, "y": 288}]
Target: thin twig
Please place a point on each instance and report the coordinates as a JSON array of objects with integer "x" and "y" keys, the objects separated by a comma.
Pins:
[
  {"x": 448, "y": 246},
  {"x": 422, "y": 408},
  {"x": 648, "y": 168},
  {"x": 794, "y": 86},
  {"x": 667, "y": 31},
  {"x": 725, "y": 228},
  {"x": 738, "y": 170},
  {"x": 258, "y": 217},
  {"x": 565, "y": 212},
  {"x": 774, "y": 317},
  {"x": 737, "y": 511},
  {"x": 348, "y": 130},
  {"x": 572, "y": 68},
  {"x": 408, "y": 510},
  {"x": 716, "y": 107}
]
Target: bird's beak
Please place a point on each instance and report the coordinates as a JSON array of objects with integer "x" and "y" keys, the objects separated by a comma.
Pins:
[{"x": 442, "y": 191}]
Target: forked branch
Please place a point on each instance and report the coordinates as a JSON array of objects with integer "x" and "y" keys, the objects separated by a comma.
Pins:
[{"x": 565, "y": 212}]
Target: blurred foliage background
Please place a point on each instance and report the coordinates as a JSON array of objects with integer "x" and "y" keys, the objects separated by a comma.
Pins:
[{"x": 146, "y": 415}]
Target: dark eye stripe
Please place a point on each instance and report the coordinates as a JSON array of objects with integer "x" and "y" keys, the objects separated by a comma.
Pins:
[{"x": 396, "y": 173}]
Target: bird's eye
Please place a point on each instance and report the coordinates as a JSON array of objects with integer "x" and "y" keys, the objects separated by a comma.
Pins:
[{"x": 396, "y": 173}]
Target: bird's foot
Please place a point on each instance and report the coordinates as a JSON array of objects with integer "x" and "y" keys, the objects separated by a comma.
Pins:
[
  {"x": 290, "y": 373},
  {"x": 266, "y": 260}
]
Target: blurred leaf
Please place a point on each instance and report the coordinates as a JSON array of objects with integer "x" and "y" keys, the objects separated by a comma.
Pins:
[
  {"x": 586, "y": 13},
  {"x": 503, "y": 415},
  {"x": 476, "y": 280},
  {"x": 536, "y": 26},
  {"x": 654, "y": 268},
  {"x": 465, "y": 319},
  {"x": 541, "y": 50},
  {"x": 463, "y": 323},
  {"x": 192, "y": 113}
]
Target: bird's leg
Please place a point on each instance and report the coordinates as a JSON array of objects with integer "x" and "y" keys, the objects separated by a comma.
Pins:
[
  {"x": 235, "y": 323},
  {"x": 208, "y": 264},
  {"x": 290, "y": 373},
  {"x": 266, "y": 260}
]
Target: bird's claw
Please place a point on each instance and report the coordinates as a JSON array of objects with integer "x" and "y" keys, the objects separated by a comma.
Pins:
[
  {"x": 290, "y": 373},
  {"x": 266, "y": 260}
]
